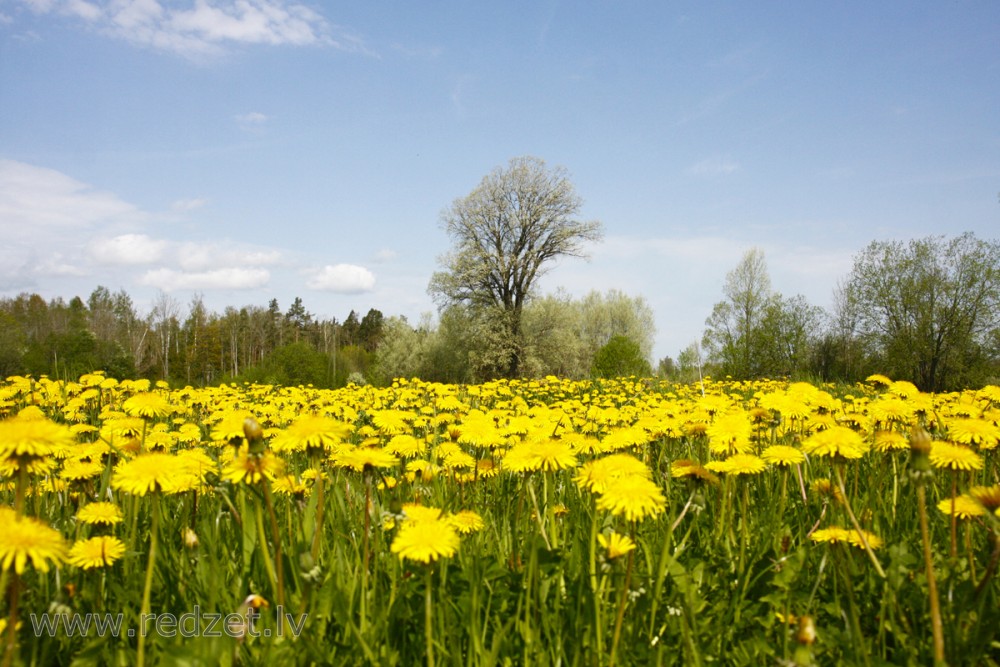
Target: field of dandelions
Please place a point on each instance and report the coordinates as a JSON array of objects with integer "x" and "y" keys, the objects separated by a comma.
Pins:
[{"x": 545, "y": 522}]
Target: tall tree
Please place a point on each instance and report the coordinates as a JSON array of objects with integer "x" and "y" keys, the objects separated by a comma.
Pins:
[
  {"x": 505, "y": 234},
  {"x": 928, "y": 309},
  {"x": 732, "y": 335}
]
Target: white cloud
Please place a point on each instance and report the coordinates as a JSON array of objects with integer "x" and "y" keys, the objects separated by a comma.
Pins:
[
  {"x": 205, "y": 27},
  {"x": 342, "y": 278},
  {"x": 385, "y": 255},
  {"x": 128, "y": 249},
  {"x": 714, "y": 166},
  {"x": 33, "y": 197},
  {"x": 205, "y": 256},
  {"x": 184, "y": 205},
  {"x": 230, "y": 278},
  {"x": 250, "y": 122}
]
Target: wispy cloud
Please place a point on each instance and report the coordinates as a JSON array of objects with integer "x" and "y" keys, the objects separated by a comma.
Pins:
[
  {"x": 251, "y": 122},
  {"x": 205, "y": 27},
  {"x": 185, "y": 205},
  {"x": 128, "y": 249},
  {"x": 33, "y": 196},
  {"x": 714, "y": 166},
  {"x": 342, "y": 278},
  {"x": 170, "y": 280},
  {"x": 385, "y": 255}
]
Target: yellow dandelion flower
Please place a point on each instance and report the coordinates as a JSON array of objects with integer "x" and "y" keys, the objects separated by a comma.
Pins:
[
  {"x": 692, "y": 470},
  {"x": 633, "y": 496},
  {"x": 980, "y": 432},
  {"x": 890, "y": 441},
  {"x": 466, "y": 521},
  {"x": 96, "y": 552},
  {"x": 616, "y": 544},
  {"x": 365, "y": 458},
  {"x": 964, "y": 507},
  {"x": 546, "y": 455},
  {"x": 740, "y": 464},
  {"x": 824, "y": 487},
  {"x": 835, "y": 534},
  {"x": 80, "y": 470},
  {"x": 594, "y": 475},
  {"x": 415, "y": 513},
  {"x": 147, "y": 406},
  {"x": 987, "y": 496},
  {"x": 24, "y": 539},
  {"x": 730, "y": 432},
  {"x": 406, "y": 445},
  {"x": 229, "y": 428},
  {"x": 878, "y": 380},
  {"x": 252, "y": 469},
  {"x": 426, "y": 541},
  {"x": 156, "y": 471},
  {"x": 891, "y": 410},
  {"x": 391, "y": 422},
  {"x": 99, "y": 514},
  {"x": 312, "y": 432},
  {"x": 954, "y": 457},
  {"x": 290, "y": 485},
  {"x": 23, "y": 438},
  {"x": 782, "y": 455},
  {"x": 836, "y": 441}
]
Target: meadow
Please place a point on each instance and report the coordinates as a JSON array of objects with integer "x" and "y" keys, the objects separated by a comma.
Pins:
[{"x": 548, "y": 522}]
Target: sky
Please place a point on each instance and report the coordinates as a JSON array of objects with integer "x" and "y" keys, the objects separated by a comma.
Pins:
[{"x": 246, "y": 150}]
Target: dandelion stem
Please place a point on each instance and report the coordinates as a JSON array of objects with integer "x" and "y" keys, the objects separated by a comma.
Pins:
[
  {"x": 857, "y": 526},
  {"x": 13, "y": 592},
  {"x": 320, "y": 505},
  {"x": 276, "y": 532},
  {"x": 429, "y": 617},
  {"x": 622, "y": 600},
  {"x": 937, "y": 628},
  {"x": 154, "y": 530}
]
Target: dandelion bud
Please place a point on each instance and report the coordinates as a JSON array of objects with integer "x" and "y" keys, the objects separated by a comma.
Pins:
[
  {"x": 920, "y": 449},
  {"x": 190, "y": 539},
  {"x": 806, "y": 633},
  {"x": 255, "y": 436}
]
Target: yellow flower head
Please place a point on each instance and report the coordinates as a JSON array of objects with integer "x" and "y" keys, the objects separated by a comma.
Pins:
[
  {"x": 964, "y": 507},
  {"x": 362, "y": 458},
  {"x": 466, "y": 521},
  {"x": 23, "y": 437},
  {"x": 954, "y": 457},
  {"x": 836, "y": 441},
  {"x": 782, "y": 455},
  {"x": 595, "y": 475},
  {"x": 547, "y": 455},
  {"x": 96, "y": 552},
  {"x": 156, "y": 471},
  {"x": 739, "y": 464},
  {"x": 988, "y": 497},
  {"x": 312, "y": 432},
  {"x": 980, "y": 432},
  {"x": 24, "y": 539},
  {"x": 106, "y": 514},
  {"x": 147, "y": 406},
  {"x": 633, "y": 496},
  {"x": 252, "y": 469},
  {"x": 616, "y": 544},
  {"x": 426, "y": 541}
]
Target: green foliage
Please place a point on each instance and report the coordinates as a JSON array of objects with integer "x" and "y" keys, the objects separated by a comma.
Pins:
[
  {"x": 620, "y": 357},
  {"x": 505, "y": 234},
  {"x": 928, "y": 311}
]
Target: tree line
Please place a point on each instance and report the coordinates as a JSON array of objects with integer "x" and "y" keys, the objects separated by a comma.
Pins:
[{"x": 927, "y": 311}]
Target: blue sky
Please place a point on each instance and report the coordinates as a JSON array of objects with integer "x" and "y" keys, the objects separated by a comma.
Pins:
[{"x": 250, "y": 149}]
